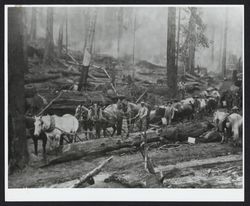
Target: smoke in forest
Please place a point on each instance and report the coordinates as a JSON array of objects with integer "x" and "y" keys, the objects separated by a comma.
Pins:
[{"x": 151, "y": 31}]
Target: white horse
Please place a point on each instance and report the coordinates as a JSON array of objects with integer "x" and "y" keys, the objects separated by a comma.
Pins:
[
  {"x": 54, "y": 126},
  {"x": 234, "y": 123},
  {"x": 229, "y": 125}
]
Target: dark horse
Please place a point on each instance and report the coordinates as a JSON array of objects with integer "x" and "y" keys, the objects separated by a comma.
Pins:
[
  {"x": 29, "y": 121},
  {"x": 111, "y": 116},
  {"x": 84, "y": 117}
]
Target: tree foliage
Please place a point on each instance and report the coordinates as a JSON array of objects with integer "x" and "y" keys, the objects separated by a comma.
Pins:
[{"x": 193, "y": 33}]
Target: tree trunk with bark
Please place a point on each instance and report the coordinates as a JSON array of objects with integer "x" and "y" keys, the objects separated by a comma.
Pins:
[
  {"x": 120, "y": 28},
  {"x": 33, "y": 24},
  {"x": 192, "y": 40},
  {"x": 178, "y": 38},
  {"x": 49, "y": 45},
  {"x": 171, "y": 66},
  {"x": 60, "y": 39},
  {"x": 25, "y": 40},
  {"x": 134, "y": 37},
  {"x": 17, "y": 134},
  {"x": 88, "y": 48},
  {"x": 224, "y": 55},
  {"x": 212, "y": 48},
  {"x": 66, "y": 32}
]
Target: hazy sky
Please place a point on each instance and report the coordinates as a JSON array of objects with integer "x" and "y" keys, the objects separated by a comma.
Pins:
[{"x": 151, "y": 36}]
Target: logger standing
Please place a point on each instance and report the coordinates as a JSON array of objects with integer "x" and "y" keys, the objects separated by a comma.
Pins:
[{"x": 142, "y": 114}]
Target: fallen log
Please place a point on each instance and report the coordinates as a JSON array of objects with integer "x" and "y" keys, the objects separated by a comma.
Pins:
[
  {"x": 40, "y": 78},
  {"x": 101, "y": 146},
  {"x": 184, "y": 130},
  {"x": 73, "y": 73},
  {"x": 91, "y": 174}
]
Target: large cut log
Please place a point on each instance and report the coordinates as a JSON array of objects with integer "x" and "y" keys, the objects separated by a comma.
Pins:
[
  {"x": 184, "y": 130},
  {"x": 76, "y": 151}
]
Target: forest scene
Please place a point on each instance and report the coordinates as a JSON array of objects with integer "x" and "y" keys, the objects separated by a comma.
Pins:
[{"x": 125, "y": 97}]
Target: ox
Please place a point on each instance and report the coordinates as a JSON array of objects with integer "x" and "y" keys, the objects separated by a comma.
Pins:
[{"x": 55, "y": 126}]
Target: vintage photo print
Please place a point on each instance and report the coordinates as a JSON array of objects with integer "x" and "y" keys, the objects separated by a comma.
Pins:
[{"x": 124, "y": 102}]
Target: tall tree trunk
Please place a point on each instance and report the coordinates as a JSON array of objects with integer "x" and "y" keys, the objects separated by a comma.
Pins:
[
  {"x": 25, "y": 40},
  {"x": 49, "y": 45},
  {"x": 88, "y": 47},
  {"x": 17, "y": 135},
  {"x": 33, "y": 24},
  {"x": 134, "y": 37},
  {"x": 224, "y": 55},
  {"x": 171, "y": 66},
  {"x": 192, "y": 40},
  {"x": 120, "y": 28},
  {"x": 220, "y": 51},
  {"x": 178, "y": 39},
  {"x": 67, "y": 34},
  {"x": 60, "y": 39}
]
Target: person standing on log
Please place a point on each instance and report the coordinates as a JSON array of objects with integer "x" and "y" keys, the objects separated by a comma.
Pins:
[{"x": 142, "y": 114}]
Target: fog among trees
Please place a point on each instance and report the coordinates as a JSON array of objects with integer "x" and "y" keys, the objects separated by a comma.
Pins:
[{"x": 151, "y": 31}]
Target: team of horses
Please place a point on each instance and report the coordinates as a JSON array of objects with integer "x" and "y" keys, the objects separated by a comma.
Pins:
[{"x": 98, "y": 118}]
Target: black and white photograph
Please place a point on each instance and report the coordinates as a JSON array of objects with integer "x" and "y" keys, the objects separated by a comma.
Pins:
[{"x": 124, "y": 98}]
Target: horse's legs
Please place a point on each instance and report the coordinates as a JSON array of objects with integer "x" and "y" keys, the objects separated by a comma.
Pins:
[
  {"x": 114, "y": 130},
  {"x": 97, "y": 130},
  {"x": 35, "y": 140},
  {"x": 44, "y": 145},
  {"x": 61, "y": 140},
  {"x": 104, "y": 132},
  {"x": 119, "y": 127}
]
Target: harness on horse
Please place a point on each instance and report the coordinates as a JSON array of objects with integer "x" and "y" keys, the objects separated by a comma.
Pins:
[{"x": 52, "y": 124}]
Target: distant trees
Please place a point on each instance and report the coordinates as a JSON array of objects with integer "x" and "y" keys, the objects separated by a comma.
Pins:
[
  {"x": 18, "y": 153},
  {"x": 60, "y": 38},
  {"x": 224, "y": 54},
  {"x": 66, "y": 32},
  {"x": 33, "y": 27},
  {"x": 134, "y": 36},
  {"x": 171, "y": 63},
  {"x": 212, "y": 46},
  {"x": 120, "y": 29},
  {"x": 49, "y": 42},
  {"x": 194, "y": 36}
]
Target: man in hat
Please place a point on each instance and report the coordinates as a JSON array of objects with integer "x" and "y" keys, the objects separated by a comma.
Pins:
[{"x": 142, "y": 115}]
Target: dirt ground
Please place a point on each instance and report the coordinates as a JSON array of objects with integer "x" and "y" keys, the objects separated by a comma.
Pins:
[{"x": 224, "y": 168}]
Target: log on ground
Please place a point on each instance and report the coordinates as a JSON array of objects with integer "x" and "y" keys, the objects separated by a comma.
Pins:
[{"x": 101, "y": 146}]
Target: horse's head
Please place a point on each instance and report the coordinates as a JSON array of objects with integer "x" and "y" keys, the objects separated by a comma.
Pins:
[
  {"x": 218, "y": 118},
  {"x": 123, "y": 106},
  {"x": 38, "y": 125},
  {"x": 94, "y": 112}
]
